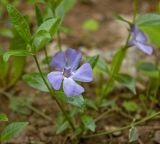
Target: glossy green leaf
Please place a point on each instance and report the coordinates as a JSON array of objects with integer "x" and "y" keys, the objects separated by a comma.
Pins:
[
  {"x": 64, "y": 7},
  {"x": 127, "y": 81},
  {"x": 76, "y": 100},
  {"x": 41, "y": 39},
  {"x": 150, "y": 19},
  {"x": 35, "y": 80},
  {"x": 39, "y": 15},
  {"x": 133, "y": 134},
  {"x": 12, "y": 130},
  {"x": 19, "y": 23},
  {"x": 153, "y": 33},
  {"x": 3, "y": 117},
  {"x": 50, "y": 25},
  {"x": 117, "y": 60},
  {"x": 19, "y": 53},
  {"x": 89, "y": 122}
]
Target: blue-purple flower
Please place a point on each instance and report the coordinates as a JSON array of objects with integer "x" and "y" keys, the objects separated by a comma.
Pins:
[
  {"x": 139, "y": 40},
  {"x": 66, "y": 65}
]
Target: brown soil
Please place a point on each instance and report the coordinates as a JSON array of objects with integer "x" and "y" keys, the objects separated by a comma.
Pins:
[{"x": 41, "y": 131}]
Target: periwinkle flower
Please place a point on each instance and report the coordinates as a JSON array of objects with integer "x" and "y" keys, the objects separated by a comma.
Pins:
[
  {"x": 139, "y": 40},
  {"x": 67, "y": 73}
]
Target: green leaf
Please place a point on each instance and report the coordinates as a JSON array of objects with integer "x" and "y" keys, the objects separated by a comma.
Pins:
[
  {"x": 3, "y": 68},
  {"x": 20, "y": 104},
  {"x": 146, "y": 66},
  {"x": 108, "y": 103},
  {"x": 148, "y": 69},
  {"x": 153, "y": 33},
  {"x": 50, "y": 25},
  {"x": 127, "y": 81},
  {"x": 92, "y": 60},
  {"x": 118, "y": 17},
  {"x": 89, "y": 123},
  {"x": 64, "y": 7},
  {"x": 19, "y": 23},
  {"x": 76, "y": 100},
  {"x": 12, "y": 130},
  {"x": 102, "y": 66},
  {"x": 130, "y": 106},
  {"x": 150, "y": 19},
  {"x": 149, "y": 23},
  {"x": 133, "y": 134},
  {"x": 39, "y": 15},
  {"x": 91, "y": 25},
  {"x": 61, "y": 125},
  {"x": 40, "y": 39},
  {"x": 6, "y": 32},
  {"x": 20, "y": 53},
  {"x": 16, "y": 70},
  {"x": 35, "y": 80},
  {"x": 3, "y": 117},
  {"x": 91, "y": 104},
  {"x": 117, "y": 60}
]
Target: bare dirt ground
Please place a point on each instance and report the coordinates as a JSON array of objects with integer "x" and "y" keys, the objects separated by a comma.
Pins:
[{"x": 110, "y": 35}]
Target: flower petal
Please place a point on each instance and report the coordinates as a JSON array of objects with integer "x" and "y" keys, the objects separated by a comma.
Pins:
[
  {"x": 58, "y": 61},
  {"x": 141, "y": 37},
  {"x": 55, "y": 78},
  {"x": 73, "y": 58},
  {"x": 71, "y": 88},
  {"x": 83, "y": 74},
  {"x": 138, "y": 35},
  {"x": 134, "y": 30},
  {"x": 145, "y": 48}
]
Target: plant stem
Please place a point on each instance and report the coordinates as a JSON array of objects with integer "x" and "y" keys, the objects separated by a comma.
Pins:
[
  {"x": 104, "y": 114},
  {"x": 123, "y": 128},
  {"x": 53, "y": 95},
  {"x": 39, "y": 113},
  {"x": 135, "y": 10},
  {"x": 119, "y": 61}
]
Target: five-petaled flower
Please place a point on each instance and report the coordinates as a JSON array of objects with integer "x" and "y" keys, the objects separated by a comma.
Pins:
[
  {"x": 66, "y": 65},
  {"x": 139, "y": 40}
]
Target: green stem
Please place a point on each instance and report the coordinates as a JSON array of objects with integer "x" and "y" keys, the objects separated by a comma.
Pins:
[
  {"x": 123, "y": 128},
  {"x": 53, "y": 95},
  {"x": 104, "y": 114},
  {"x": 135, "y": 10},
  {"x": 119, "y": 61},
  {"x": 39, "y": 113}
]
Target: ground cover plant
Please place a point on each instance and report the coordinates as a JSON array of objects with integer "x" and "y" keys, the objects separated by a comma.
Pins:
[{"x": 89, "y": 99}]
